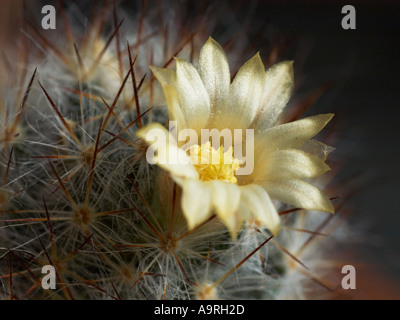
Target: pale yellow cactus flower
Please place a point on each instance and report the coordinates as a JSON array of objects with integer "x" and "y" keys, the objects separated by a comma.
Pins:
[{"x": 284, "y": 156}]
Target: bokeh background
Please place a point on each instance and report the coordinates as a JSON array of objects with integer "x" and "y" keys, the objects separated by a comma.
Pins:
[
  {"x": 364, "y": 63},
  {"x": 362, "y": 70}
]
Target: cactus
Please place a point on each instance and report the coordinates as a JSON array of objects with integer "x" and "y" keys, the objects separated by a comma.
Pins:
[{"x": 79, "y": 194}]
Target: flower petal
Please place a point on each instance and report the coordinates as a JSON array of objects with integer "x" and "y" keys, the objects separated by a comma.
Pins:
[
  {"x": 244, "y": 98},
  {"x": 164, "y": 152},
  {"x": 226, "y": 201},
  {"x": 290, "y": 135},
  {"x": 164, "y": 76},
  {"x": 289, "y": 164},
  {"x": 235, "y": 222},
  {"x": 193, "y": 97},
  {"x": 167, "y": 79},
  {"x": 196, "y": 202},
  {"x": 321, "y": 150},
  {"x": 181, "y": 168},
  {"x": 299, "y": 194},
  {"x": 277, "y": 91},
  {"x": 260, "y": 205},
  {"x": 155, "y": 129},
  {"x": 226, "y": 198},
  {"x": 214, "y": 71}
]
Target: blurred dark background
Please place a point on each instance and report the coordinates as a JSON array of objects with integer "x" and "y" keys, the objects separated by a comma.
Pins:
[
  {"x": 364, "y": 64},
  {"x": 363, "y": 68}
]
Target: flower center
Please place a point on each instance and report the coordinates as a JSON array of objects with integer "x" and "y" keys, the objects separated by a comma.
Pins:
[{"x": 212, "y": 164}]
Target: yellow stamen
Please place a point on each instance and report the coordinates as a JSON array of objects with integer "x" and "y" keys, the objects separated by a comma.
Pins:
[{"x": 213, "y": 164}]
